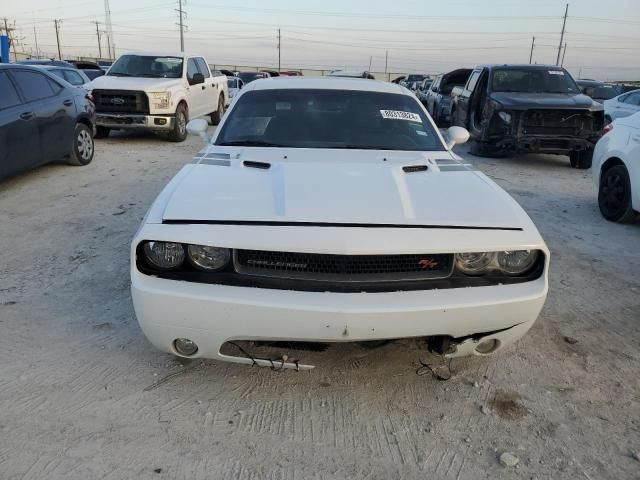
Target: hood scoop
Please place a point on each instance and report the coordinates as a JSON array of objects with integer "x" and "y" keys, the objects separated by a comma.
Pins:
[
  {"x": 259, "y": 165},
  {"x": 415, "y": 168}
]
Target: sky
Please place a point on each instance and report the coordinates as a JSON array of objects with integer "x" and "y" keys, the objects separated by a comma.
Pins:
[{"x": 418, "y": 35}]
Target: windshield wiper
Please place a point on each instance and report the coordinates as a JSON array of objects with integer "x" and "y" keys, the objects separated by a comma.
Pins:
[
  {"x": 359, "y": 147},
  {"x": 251, "y": 143},
  {"x": 118, "y": 74}
]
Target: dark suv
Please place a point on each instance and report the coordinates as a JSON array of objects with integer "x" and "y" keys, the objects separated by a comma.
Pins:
[{"x": 42, "y": 119}]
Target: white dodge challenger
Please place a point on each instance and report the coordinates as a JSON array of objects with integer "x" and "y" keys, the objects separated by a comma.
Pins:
[{"x": 332, "y": 210}]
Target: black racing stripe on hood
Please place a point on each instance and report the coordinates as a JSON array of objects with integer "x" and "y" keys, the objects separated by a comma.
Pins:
[{"x": 327, "y": 224}]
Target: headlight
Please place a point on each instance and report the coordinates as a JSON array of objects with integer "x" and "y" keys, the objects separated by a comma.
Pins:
[
  {"x": 506, "y": 117},
  {"x": 164, "y": 255},
  {"x": 475, "y": 263},
  {"x": 160, "y": 99},
  {"x": 517, "y": 262},
  {"x": 209, "y": 259}
]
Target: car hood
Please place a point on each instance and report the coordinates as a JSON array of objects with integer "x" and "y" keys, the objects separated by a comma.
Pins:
[
  {"x": 516, "y": 101},
  {"x": 109, "y": 82},
  {"x": 338, "y": 187}
]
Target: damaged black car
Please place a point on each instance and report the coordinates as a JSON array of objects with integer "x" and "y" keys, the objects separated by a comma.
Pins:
[{"x": 528, "y": 108}]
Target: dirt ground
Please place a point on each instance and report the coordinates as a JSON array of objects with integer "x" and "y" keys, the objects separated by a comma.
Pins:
[{"x": 83, "y": 395}]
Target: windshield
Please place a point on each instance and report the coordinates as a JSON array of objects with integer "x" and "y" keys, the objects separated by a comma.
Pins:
[
  {"x": 247, "y": 77},
  {"x": 416, "y": 78},
  {"x": 345, "y": 119},
  {"x": 533, "y": 81},
  {"x": 147, "y": 66}
]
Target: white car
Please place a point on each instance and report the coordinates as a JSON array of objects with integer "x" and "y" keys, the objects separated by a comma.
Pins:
[
  {"x": 332, "y": 210},
  {"x": 622, "y": 105},
  {"x": 616, "y": 170},
  {"x": 158, "y": 91},
  {"x": 235, "y": 84}
]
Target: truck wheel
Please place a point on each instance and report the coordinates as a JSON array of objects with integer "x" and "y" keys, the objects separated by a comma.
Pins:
[
  {"x": 485, "y": 149},
  {"x": 614, "y": 195},
  {"x": 217, "y": 115},
  {"x": 179, "y": 132},
  {"x": 82, "y": 150},
  {"x": 102, "y": 132},
  {"x": 581, "y": 160}
]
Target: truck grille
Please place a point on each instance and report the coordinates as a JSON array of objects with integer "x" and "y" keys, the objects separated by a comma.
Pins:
[
  {"x": 121, "y": 101},
  {"x": 557, "y": 122},
  {"x": 343, "y": 268}
]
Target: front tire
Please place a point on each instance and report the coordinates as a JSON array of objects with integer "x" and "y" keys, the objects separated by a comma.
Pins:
[
  {"x": 488, "y": 150},
  {"x": 216, "y": 116},
  {"x": 614, "y": 195},
  {"x": 83, "y": 146},
  {"x": 179, "y": 131},
  {"x": 581, "y": 160}
]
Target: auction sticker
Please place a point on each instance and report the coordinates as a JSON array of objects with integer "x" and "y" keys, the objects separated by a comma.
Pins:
[
  {"x": 399, "y": 115},
  {"x": 556, "y": 72}
]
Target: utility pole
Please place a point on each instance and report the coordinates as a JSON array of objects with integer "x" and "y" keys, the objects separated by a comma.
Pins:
[
  {"x": 370, "y": 60},
  {"x": 110, "y": 41},
  {"x": 279, "y": 49},
  {"x": 386, "y": 60},
  {"x": 564, "y": 23},
  {"x": 563, "y": 54},
  {"x": 57, "y": 23},
  {"x": 533, "y": 43},
  {"x": 35, "y": 35},
  {"x": 98, "y": 33},
  {"x": 7, "y": 32},
  {"x": 181, "y": 13}
]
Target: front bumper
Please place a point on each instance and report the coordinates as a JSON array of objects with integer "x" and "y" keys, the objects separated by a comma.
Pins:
[
  {"x": 133, "y": 121},
  {"x": 544, "y": 144},
  {"x": 211, "y": 315}
]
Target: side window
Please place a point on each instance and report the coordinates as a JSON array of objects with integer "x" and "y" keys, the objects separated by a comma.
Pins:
[
  {"x": 633, "y": 99},
  {"x": 34, "y": 85},
  {"x": 72, "y": 77},
  {"x": 436, "y": 84},
  {"x": 9, "y": 97},
  {"x": 55, "y": 86},
  {"x": 202, "y": 66},
  {"x": 473, "y": 79},
  {"x": 192, "y": 68}
]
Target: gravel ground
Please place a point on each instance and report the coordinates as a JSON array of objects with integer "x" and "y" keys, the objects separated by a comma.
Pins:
[{"x": 83, "y": 395}]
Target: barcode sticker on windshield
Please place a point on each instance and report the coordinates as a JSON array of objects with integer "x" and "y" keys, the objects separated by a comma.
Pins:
[
  {"x": 399, "y": 115},
  {"x": 556, "y": 72}
]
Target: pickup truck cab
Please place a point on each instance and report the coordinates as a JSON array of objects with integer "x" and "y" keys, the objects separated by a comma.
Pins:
[
  {"x": 528, "y": 108},
  {"x": 438, "y": 98},
  {"x": 158, "y": 92}
]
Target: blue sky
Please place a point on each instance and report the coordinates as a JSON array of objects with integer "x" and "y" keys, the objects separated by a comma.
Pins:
[{"x": 420, "y": 35}]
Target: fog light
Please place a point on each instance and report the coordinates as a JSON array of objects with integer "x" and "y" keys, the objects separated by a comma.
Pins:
[
  {"x": 487, "y": 346},
  {"x": 185, "y": 347},
  {"x": 160, "y": 121}
]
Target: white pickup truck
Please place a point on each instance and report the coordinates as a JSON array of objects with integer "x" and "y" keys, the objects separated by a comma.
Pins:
[{"x": 158, "y": 92}]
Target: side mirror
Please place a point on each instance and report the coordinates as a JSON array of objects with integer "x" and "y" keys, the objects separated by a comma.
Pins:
[
  {"x": 196, "y": 79},
  {"x": 198, "y": 126},
  {"x": 454, "y": 136}
]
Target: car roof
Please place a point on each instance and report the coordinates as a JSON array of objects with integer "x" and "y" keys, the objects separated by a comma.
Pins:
[
  {"x": 164, "y": 54},
  {"x": 325, "y": 83},
  {"x": 521, "y": 65}
]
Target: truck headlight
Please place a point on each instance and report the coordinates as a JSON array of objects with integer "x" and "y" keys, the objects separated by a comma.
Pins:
[
  {"x": 160, "y": 99},
  {"x": 164, "y": 255},
  {"x": 517, "y": 262},
  {"x": 209, "y": 259},
  {"x": 506, "y": 117}
]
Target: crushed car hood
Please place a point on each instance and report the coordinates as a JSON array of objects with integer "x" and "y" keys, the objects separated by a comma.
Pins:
[
  {"x": 112, "y": 82},
  {"x": 338, "y": 187},
  {"x": 515, "y": 100}
]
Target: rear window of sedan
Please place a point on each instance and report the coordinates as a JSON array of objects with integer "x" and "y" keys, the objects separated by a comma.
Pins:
[{"x": 343, "y": 119}]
